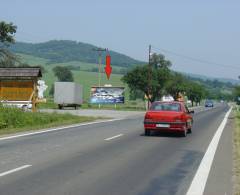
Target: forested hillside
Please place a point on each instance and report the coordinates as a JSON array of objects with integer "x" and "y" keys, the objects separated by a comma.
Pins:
[
  {"x": 216, "y": 89},
  {"x": 65, "y": 51}
]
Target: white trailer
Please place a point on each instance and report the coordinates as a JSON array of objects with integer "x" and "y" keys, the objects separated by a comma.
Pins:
[{"x": 68, "y": 94}]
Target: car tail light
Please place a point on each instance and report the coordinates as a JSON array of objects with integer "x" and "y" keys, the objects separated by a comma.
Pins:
[{"x": 148, "y": 118}]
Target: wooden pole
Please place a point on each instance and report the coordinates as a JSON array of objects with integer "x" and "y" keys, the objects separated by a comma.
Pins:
[{"x": 34, "y": 109}]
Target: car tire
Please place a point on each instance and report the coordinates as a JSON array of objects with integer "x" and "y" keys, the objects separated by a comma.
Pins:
[
  {"x": 147, "y": 132},
  {"x": 189, "y": 127}
]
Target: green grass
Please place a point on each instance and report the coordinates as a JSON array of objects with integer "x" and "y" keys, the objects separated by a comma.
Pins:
[
  {"x": 31, "y": 60},
  {"x": 236, "y": 147},
  {"x": 13, "y": 120},
  {"x": 83, "y": 65}
]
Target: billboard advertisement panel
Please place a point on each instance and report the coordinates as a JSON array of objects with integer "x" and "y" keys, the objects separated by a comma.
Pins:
[{"x": 107, "y": 95}]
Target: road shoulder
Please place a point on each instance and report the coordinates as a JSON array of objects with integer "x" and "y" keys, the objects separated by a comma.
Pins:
[{"x": 220, "y": 180}]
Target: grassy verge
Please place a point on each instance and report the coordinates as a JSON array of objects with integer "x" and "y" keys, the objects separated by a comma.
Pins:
[
  {"x": 236, "y": 147},
  {"x": 13, "y": 120}
]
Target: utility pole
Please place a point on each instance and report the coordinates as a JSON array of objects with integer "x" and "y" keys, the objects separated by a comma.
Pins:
[
  {"x": 149, "y": 74},
  {"x": 99, "y": 50}
]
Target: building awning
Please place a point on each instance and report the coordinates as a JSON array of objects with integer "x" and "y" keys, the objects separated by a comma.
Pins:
[{"x": 20, "y": 72}]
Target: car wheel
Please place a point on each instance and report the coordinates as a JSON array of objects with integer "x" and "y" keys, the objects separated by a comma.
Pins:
[
  {"x": 189, "y": 130},
  {"x": 147, "y": 132}
]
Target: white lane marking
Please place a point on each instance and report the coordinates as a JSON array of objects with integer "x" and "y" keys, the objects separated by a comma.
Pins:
[
  {"x": 14, "y": 170},
  {"x": 57, "y": 129},
  {"x": 199, "y": 181},
  {"x": 110, "y": 138}
]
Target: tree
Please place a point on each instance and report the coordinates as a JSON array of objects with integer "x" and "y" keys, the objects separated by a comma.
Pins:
[
  {"x": 8, "y": 59},
  {"x": 138, "y": 79},
  {"x": 236, "y": 94},
  {"x": 159, "y": 61},
  {"x": 150, "y": 80},
  {"x": 7, "y": 30},
  {"x": 195, "y": 92},
  {"x": 177, "y": 84},
  {"x": 63, "y": 73}
]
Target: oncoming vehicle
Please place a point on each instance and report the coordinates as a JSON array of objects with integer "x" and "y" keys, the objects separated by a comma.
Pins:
[
  {"x": 168, "y": 116},
  {"x": 209, "y": 103}
]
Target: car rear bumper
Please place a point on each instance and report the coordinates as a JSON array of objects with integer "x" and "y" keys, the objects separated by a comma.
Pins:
[
  {"x": 209, "y": 105},
  {"x": 173, "y": 126}
]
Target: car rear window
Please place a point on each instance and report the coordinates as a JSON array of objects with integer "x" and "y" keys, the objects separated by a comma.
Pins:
[
  {"x": 165, "y": 107},
  {"x": 209, "y": 102}
]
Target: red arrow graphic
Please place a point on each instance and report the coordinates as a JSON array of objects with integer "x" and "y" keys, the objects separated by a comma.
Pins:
[{"x": 108, "y": 68}]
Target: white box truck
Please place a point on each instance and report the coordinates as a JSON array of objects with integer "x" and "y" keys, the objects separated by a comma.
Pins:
[{"x": 68, "y": 94}]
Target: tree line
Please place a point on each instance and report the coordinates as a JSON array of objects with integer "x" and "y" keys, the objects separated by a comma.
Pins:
[{"x": 156, "y": 80}]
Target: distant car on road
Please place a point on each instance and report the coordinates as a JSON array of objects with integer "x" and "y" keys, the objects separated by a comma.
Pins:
[
  {"x": 209, "y": 103},
  {"x": 168, "y": 116}
]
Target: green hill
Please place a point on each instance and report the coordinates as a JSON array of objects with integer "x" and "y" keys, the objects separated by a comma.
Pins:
[
  {"x": 62, "y": 51},
  {"x": 72, "y": 65}
]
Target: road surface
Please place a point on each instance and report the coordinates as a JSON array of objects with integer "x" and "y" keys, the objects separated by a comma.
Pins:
[{"x": 114, "y": 158}]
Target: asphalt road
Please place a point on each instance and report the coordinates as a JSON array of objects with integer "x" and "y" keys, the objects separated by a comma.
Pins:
[{"x": 107, "y": 158}]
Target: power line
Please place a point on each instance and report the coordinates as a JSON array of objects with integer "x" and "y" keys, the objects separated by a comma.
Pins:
[{"x": 196, "y": 59}]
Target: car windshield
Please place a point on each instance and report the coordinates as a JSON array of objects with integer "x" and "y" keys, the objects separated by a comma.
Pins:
[{"x": 165, "y": 107}]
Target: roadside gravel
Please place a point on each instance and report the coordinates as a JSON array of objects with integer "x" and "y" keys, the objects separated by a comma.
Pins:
[{"x": 116, "y": 114}]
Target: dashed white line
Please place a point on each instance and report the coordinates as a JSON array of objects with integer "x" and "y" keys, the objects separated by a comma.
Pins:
[
  {"x": 14, "y": 170},
  {"x": 200, "y": 179},
  {"x": 116, "y": 136},
  {"x": 57, "y": 129}
]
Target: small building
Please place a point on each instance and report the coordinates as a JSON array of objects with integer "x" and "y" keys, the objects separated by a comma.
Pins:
[{"x": 19, "y": 85}]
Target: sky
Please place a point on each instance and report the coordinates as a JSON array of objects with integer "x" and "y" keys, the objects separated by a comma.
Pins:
[{"x": 200, "y": 37}]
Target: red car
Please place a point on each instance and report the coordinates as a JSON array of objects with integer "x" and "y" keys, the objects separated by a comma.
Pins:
[{"x": 168, "y": 116}]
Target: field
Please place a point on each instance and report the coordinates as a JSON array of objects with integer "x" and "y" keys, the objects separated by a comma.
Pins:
[{"x": 83, "y": 77}]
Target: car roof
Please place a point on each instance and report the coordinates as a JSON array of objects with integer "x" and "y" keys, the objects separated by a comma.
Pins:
[
  {"x": 169, "y": 102},
  {"x": 178, "y": 102}
]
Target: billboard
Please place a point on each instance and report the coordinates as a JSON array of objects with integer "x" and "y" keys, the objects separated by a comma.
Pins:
[{"x": 107, "y": 95}]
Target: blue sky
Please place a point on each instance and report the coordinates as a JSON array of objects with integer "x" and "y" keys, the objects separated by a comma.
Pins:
[{"x": 208, "y": 30}]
